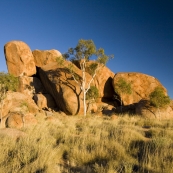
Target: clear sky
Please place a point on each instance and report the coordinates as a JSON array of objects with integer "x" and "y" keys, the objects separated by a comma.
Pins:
[{"x": 138, "y": 32}]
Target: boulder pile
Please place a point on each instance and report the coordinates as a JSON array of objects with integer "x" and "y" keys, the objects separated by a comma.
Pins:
[{"x": 47, "y": 84}]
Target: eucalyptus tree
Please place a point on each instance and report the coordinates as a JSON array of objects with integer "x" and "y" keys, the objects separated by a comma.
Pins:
[{"x": 83, "y": 52}]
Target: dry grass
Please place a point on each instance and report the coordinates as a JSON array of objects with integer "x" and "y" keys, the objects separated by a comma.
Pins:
[{"x": 74, "y": 144}]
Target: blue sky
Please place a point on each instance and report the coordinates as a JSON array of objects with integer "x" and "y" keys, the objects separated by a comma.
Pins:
[{"x": 138, "y": 32}]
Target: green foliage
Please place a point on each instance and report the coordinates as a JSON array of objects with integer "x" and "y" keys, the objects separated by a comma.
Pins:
[
  {"x": 60, "y": 60},
  {"x": 92, "y": 93},
  {"x": 92, "y": 68},
  {"x": 8, "y": 82},
  {"x": 123, "y": 87},
  {"x": 158, "y": 98},
  {"x": 102, "y": 58},
  {"x": 85, "y": 49}
]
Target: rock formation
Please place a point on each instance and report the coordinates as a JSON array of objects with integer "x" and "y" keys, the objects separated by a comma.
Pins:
[
  {"x": 19, "y": 103},
  {"x": 44, "y": 77},
  {"x": 146, "y": 110},
  {"x": 45, "y": 57},
  {"x": 19, "y": 59},
  {"x": 142, "y": 85},
  {"x": 58, "y": 80},
  {"x": 30, "y": 85}
]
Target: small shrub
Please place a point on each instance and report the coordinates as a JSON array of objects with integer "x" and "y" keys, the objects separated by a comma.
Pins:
[
  {"x": 8, "y": 81},
  {"x": 158, "y": 98},
  {"x": 92, "y": 93}
]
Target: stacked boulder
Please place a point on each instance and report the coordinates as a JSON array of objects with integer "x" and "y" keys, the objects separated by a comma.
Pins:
[{"x": 45, "y": 77}]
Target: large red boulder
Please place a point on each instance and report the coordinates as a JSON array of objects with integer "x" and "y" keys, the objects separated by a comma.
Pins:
[
  {"x": 19, "y": 58},
  {"x": 142, "y": 85},
  {"x": 58, "y": 81}
]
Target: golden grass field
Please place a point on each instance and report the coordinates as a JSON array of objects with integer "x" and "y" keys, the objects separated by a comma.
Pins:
[{"x": 74, "y": 144}]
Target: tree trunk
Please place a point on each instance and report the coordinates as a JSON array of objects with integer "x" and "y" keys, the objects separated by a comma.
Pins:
[{"x": 83, "y": 86}]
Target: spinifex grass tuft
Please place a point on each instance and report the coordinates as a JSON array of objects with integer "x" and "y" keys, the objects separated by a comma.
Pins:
[{"x": 128, "y": 144}]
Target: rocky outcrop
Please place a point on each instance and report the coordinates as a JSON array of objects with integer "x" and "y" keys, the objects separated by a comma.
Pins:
[
  {"x": 46, "y": 76},
  {"x": 30, "y": 85},
  {"x": 19, "y": 103},
  {"x": 142, "y": 85},
  {"x": 19, "y": 58},
  {"x": 66, "y": 91},
  {"x": 44, "y": 57}
]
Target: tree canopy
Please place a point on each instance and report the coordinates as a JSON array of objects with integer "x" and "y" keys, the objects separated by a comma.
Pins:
[{"x": 85, "y": 49}]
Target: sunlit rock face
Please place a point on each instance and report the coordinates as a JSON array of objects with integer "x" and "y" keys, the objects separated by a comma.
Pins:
[
  {"x": 146, "y": 110},
  {"x": 19, "y": 58},
  {"x": 44, "y": 57},
  {"x": 142, "y": 85},
  {"x": 58, "y": 81}
]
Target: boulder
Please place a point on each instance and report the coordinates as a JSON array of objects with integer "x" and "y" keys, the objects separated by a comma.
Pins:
[
  {"x": 30, "y": 85},
  {"x": 146, "y": 110},
  {"x": 58, "y": 81},
  {"x": 18, "y": 120},
  {"x": 17, "y": 102},
  {"x": 142, "y": 85},
  {"x": 44, "y": 101},
  {"x": 19, "y": 59},
  {"x": 44, "y": 57},
  {"x": 15, "y": 120},
  {"x": 92, "y": 107}
]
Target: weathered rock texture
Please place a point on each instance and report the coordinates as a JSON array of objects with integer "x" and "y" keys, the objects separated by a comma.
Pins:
[
  {"x": 145, "y": 109},
  {"x": 44, "y": 57},
  {"x": 17, "y": 102},
  {"x": 19, "y": 58},
  {"x": 59, "y": 82},
  {"x": 30, "y": 85},
  {"x": 18, "y": 120},
  {"x": 142, "y": 85}
]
